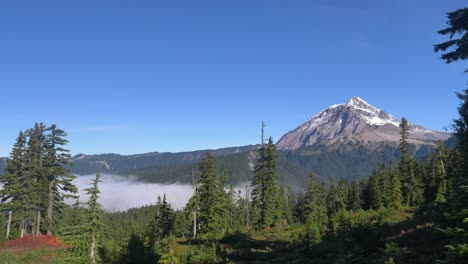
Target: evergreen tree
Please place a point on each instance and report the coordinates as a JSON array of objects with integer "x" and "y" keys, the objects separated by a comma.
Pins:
[
  {"x": 343, "y": 193},
  {"x": 234, "y": 218},
  {"x": 57, "y": 160},
  {"x": 457, "y": 228},
  {"x": 458, "y": 26},
  {"x": 395, "y": 194},
  {"x": 314, "y": 202},
  {"x": 182, "y": 224},
  {"x": 74, "y": 231},
  {"x": 458, "y": 201},
  {"x": 290, "y": 204},
  {"x": 265, "y": 187},
  {"x": 135, "y": 251},
  {"x": 335, "y": 200},
  {"x": 282, "y": 206},
  {"x": 229, "y": 200},
  {"x": 375, "y": 192},
  {"x": 355, "y": 196},
  {"x": 167, "y": 217},
  {"x": 313, "y": 235},
  {"x": 84, "y": 232},
  {"x": 12, "y": 195},
  {"x": 299, "y": 209},
  {"x": 366, "y": 199},
  {"x": 244, "y": 208},
  {"x": 405, "y": 163},
  {"x": 95, "y": 218},
  {"x": 385, "y": 181},
  {"x": 437, "y": 181},
  {"x": 212, "y": 198},
  {"x": 412, "y": 187},
  {"x": 34, "y": 180}
]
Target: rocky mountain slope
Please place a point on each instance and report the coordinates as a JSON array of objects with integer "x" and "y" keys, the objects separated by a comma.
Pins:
[{"x": 355, "y": 121}]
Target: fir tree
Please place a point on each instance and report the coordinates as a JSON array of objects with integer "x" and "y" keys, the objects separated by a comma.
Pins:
[
  {"x": 458, "y": 26},
  {"x": 343, "y": 193},
  {"x": 265, "y": 187},
  {"x": 375, "y": 192},
  {"x": 290, "y": 204},
  {"x": 167, "y": 217},
  {"x": 84, "y": 233},
  {"x": 458, "y": 201},
  {"x": 405, "y": 163},
  {"x": 395, "y": 194},
  {"x": 314, "y": 202},
  {"x": 182, "y": 224},
  {"x": 355, "y": 196},
  {"x": 95, "y": 216},
  {"x": 59, "y": 180},
  {"x": 34, "y": 180},
  {"x": 211, "y": 194},
  {"x": 335, "y": 200},
  {"x": 12, "y": 195},
  {"x": 282, "y": 206},
  {"x": 437, "y": 182},
  {"x": 412, "y": 188}
]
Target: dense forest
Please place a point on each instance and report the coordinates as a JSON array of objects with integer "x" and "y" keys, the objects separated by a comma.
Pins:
[{"x": 414, "y": 211}]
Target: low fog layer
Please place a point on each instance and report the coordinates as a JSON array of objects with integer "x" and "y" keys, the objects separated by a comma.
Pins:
[{"x": 120, "y": 193}]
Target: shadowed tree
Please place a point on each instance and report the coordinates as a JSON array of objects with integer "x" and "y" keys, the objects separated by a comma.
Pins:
[{"x": 458, "y": 37}]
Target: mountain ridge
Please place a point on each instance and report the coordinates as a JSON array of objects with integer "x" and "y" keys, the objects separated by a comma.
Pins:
[{"x": 354, "y": 120}]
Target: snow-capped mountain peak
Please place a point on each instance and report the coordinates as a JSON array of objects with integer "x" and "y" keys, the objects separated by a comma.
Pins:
[
  {"x": 371, "y": 114},
  {"x": 354, "y": 119},
  {"x": 360, "y": 104}
]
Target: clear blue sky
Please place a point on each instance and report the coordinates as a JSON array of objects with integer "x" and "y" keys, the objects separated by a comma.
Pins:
[{"x": 138, "y": 76}]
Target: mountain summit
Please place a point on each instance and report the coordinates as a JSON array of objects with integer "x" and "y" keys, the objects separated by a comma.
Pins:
[{"x": 355, "y": 120}]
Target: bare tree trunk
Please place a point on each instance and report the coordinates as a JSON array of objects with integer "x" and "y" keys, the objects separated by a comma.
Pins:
[
  {"x": 50, "y": 208},
  {"x": 8, "y": 224},
  {"x": 157, "y": 222},
  {"x": 247, "y": 207},
  {"x": 230, "y": 221},
  {"x": 22, "y": 229},
  {"x": 92, "y": 254},
  {"x": 442, "y": 162},
  {"x": 194, "y": 224},
  {"x": 38, "y": 223}
]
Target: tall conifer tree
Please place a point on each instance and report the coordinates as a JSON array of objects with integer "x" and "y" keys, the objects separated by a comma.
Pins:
[
  {"x": 57, "y": 160},
  {"x": 265, "y": 187},
  {"x": 95, "y": 218},
  {"x": 212, "y": 196},
  {"x": 12, "y": 194},
  {"x": 314, "y": 202}
]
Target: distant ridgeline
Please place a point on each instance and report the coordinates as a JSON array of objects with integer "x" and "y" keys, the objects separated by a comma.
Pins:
[{"x": 326, "y": 160}]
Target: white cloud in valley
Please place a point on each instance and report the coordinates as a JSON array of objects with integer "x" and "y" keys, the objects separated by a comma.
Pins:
[{"x": 121, "y": 193}]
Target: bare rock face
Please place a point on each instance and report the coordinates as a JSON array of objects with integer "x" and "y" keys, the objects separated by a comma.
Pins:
[{"x": 356, "y": 120}]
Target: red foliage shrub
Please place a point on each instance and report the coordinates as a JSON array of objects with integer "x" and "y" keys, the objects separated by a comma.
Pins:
[{"x": 36, "y": 242}]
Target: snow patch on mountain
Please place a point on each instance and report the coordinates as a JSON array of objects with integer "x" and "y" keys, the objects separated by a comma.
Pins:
[
  {"x": 356, "y": 119},
  {"x": 371, "y": 114}
]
